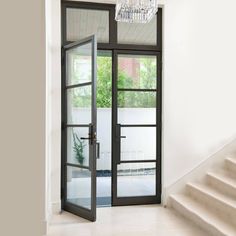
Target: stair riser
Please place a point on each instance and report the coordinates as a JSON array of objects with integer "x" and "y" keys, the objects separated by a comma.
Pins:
[
  {"x": 231, "y": 166},
  {"x": 221, "y": 186},
  {"x": 195, "y": 218},
  {"x": 221, "y": 208}
]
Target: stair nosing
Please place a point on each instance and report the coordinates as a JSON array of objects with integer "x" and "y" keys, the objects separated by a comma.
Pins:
[
  {"x": 230, "y": 159},
  {"x": 213, "y": 193},
  {"x": 213, "y": 221},
  {"x": 222, "y": 178}
]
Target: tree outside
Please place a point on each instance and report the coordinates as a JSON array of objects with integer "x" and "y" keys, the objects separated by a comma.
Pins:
[{"x": 146, "y": 71}]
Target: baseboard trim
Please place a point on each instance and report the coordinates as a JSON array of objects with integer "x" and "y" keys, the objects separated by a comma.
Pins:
[
  {"x": 56, "y": 207},
  {"x": 45, "y": 227}
]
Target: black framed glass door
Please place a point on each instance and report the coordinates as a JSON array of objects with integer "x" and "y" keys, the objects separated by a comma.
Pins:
[
  {"x": 136, "y": 128},
  {"x": 79, "y": 131}
]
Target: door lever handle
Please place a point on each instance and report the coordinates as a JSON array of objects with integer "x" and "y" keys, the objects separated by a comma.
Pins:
[
  {"x": 98, "y": 150},
  {"x": 122, "y": 136},
  {"x": 83, "y": 138},
  {"x": 90, "y": 137}
]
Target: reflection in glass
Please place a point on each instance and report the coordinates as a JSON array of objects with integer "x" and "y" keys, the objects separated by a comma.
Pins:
[
  {"x": 79, "y": 102},
  {"x": 139, "y": 143},
  {"x": 79, "y": 64},
  {"x": 77, "y": 149},
  {"x": 136, "y": 179},
  {"x": 137, "y": 71},
  {"x": 81, "y": 23},
  {"x": 79, "y": 186}
]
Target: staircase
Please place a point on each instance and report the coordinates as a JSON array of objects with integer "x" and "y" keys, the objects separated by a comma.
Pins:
[{"x": 211, "y": 203}]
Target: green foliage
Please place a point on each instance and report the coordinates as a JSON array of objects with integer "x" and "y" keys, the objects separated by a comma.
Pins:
[
  {"x": 78, "y": 149},
  {"x": 147, "y": 73},
  {"x": 104, "y": 82}
]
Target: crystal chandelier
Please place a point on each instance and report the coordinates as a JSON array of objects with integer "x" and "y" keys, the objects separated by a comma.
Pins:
[{"x": 136, "y": 11}]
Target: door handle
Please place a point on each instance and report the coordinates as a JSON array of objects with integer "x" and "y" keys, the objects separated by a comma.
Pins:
[
  {"x": 98, "y": 150},
  {"x": 91, "y": 137},
  {"x": 122, "y": 136},
  {"x": 83, "y": 138}
]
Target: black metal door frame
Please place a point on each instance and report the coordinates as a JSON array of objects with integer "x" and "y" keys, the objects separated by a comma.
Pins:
[{"x": 115, "y": 47}]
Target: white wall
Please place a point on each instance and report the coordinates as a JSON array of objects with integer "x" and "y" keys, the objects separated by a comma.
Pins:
[
  {"x": 199, "y": 82},
  {"x": 22, "y": 130}
]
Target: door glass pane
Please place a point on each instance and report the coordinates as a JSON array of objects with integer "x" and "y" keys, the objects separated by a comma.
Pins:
[
  {"x": 77, "y": 149},
  {"x": 79, "y": 64},
  {"x": 79, "y": 102},
  {"x": 132, "y": 116},
  {"x": 136, "y": 107},
  {"x": 136, "y": 179},
  {"x": 79, "y": 186},
  {"x": 137, "y": 71},
  {"x": 81, "y": 23},
  {"x": 144, "y": 34},
  {"x": 139, "y": 143},
  {"x": 131, "y": 99}
]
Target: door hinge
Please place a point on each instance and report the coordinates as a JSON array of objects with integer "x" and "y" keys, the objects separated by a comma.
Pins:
[{"x": 63, "y": 125}]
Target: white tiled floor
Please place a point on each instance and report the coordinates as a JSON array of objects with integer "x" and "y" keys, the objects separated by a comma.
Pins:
[{"x": 147, "y": 220}]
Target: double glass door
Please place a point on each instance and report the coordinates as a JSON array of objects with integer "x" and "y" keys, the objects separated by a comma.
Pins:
[{"x": 136, "y": 130}]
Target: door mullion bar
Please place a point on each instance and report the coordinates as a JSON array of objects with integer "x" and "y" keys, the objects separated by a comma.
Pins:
[
  {"x": 138, "y": 161},
  {"x": 77, "y": 165},
  {"x": 75, "y": 126},
  {"x": 135, "y": 90},
  {"x": 138, "y": 125},
  {"x": 78, "y": 85}
]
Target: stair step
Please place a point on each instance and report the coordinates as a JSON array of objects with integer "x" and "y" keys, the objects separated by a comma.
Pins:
[
  {"x": 222, "y": 204},
  {"x": 230, "y": 164},
  {"x": 223, "y": 182},
  {"x": 202, "y": 216}
]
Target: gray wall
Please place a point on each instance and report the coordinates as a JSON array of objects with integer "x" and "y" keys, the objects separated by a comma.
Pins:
[{"x": 22, "y": 130}]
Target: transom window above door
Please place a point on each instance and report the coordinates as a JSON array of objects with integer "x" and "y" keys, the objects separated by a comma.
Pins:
[
  {"x": 81, "y": 23},
  {"x": 85, "y": 19}
]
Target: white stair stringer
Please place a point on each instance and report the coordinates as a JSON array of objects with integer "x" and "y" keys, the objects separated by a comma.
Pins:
[{"x": 202, "y": 216}]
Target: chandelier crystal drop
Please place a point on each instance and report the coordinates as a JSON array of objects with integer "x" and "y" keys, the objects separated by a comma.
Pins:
[{"x": 136, "y": 11}]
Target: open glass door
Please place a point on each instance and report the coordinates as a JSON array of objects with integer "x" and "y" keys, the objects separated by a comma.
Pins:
[{"x": 79, "y": 128}]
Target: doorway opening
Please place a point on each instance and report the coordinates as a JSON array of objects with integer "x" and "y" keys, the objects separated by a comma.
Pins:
[
  {"x": 111, "y": 109},
  {"x": 104, "y": 127}
]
